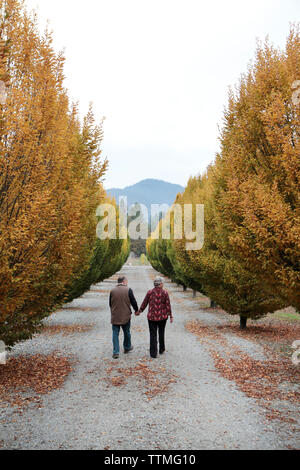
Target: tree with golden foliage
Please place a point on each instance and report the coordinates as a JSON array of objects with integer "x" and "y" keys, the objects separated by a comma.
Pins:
[
  {"x": 212, "y": 270},
  {"x": 106, "y": 258},
  {"x": 258, "y": 170},
  {"x": 250, "y": 262},
  {"x": 50, "y": 177}
]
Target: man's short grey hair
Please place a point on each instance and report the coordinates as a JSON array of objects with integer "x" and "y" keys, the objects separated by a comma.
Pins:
[
  {"x": 158, "y": 281},
  {"x": 121, "y": 279}
]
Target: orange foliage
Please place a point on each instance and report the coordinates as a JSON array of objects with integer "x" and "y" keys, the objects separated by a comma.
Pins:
[
  {"x": 50, "y": 173},
  {"x": 258, "y": 171}
]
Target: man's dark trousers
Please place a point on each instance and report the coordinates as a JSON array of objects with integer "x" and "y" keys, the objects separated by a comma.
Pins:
[{"x": 155, "y": 326}]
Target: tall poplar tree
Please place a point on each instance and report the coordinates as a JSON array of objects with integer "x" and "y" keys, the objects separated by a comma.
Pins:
[{"x": 258, "y": 170}]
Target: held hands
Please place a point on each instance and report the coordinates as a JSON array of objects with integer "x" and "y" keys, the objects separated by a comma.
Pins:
[{"x": 139, "y": 312}]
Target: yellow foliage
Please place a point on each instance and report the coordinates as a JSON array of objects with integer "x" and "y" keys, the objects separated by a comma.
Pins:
[
  {"x": 258, "y": 171},
  {"x": 50, "y": 177}
]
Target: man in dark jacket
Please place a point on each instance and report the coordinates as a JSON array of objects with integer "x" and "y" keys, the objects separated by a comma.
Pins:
[
  {"x": 120, "y": 301},
  {"x": 159, "y": 311}
]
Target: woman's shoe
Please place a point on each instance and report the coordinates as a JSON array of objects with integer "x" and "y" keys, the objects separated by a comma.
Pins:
[{"x": 115, "y": 356}]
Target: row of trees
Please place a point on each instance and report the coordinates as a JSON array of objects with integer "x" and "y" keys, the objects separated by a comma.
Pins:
[
  {"x": 51, "y": 171},
  {"x": 250, "y": 261}
]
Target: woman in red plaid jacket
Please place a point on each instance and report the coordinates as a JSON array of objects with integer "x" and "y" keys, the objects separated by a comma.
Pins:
[{"x": 159, "y": 311}]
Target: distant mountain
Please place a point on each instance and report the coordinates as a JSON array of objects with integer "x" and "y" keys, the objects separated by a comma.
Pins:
[{"x": 147, "y": 192}]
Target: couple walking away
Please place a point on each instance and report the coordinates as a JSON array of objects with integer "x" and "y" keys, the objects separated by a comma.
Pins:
[{"x": 120, "y": 301}]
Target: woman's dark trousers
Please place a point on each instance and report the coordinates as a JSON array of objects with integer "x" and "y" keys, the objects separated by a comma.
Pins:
[{"x": 154, "y": 327}]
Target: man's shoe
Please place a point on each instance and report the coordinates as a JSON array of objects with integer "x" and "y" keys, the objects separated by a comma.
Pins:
[
  {"x": 126, "y": 351},
  {"x": 115, "y": 356},
  {"x": 161, "y": 352}
]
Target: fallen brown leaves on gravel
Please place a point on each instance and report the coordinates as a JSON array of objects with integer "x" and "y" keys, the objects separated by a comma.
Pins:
[
  {"x": 205, "y": 332},
  {"x": 101, "y": 291},
  {"x": 260, "y": 379},
  {"x": 275, "y": 378},
  {"x": 216, "y": 310},
  {"x": 155, "y": 381},
  {"x": 276, "y": 331},
  {"x": 263, "y": 381},
  {"x": 66, "y": 330},
  {"x": 79, "y": 309},
  {"x": 25, "y": 378},
  {"x": 277, "y": 336},
  {"x": 137, "y": 328}
]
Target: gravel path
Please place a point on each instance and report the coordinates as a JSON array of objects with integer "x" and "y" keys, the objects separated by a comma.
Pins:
[{"x": 201, "y": 410}]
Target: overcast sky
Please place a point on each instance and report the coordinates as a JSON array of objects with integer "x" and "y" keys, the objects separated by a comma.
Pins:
[{"x": 159, "y": 71}]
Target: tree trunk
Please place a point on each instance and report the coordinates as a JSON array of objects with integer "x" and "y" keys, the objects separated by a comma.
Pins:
[
  {"x": 243, "y": 322},
  {"x": 194, "y": 294},
  {"x": 213, "y": 304},
  {"x": 184, "y": 288}
]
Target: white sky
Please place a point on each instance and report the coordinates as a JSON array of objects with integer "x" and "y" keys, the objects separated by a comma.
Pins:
[{"x": 159, "y": 71}]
